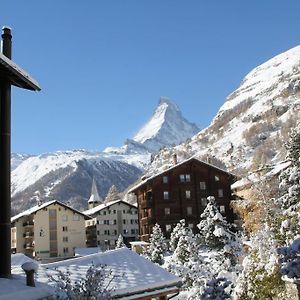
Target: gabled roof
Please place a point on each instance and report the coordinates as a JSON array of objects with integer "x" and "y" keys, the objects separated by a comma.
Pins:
[
  {"x": 174, "y": 167},
  {"x": 132, "y": 274},
  {"x": 16, "y": 75},
  {"x": 102, "y": 206},
  {"x": 39, "y": 207}
]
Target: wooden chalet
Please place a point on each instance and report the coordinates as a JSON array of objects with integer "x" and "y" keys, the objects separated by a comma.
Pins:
[{"x": 181, "y": 192}]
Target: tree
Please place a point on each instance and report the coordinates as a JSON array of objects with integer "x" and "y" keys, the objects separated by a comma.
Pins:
[
  {"x": 120, "y": 242},
  {"x": 94, "y": 286},
  {"x": 179, "y": 230},
  {"x": 112, "y": 194},
  {"x": 157, "y": 246}
]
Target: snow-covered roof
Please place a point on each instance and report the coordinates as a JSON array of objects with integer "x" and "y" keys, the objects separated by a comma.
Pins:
[
  {"x": 175, "y": 166},
  {"x": 133, "y": 274},
  {"x": 139, "y": 243},
  {"x": 39, "y": 207},
  {"x": 17, "y": 75},
  {"x": 99, "y": 207}
]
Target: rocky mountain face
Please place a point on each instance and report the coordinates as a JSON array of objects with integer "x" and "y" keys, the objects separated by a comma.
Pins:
[
  {"x": 67, "y": 175},
  {"x": 252, "y": 125}
]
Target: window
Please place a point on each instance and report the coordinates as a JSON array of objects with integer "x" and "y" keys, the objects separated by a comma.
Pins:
[
  {"x": 132, "y": 231},
  {"x": 222, "y": 209},
  {"x": 185, "y": 177},
  {"x": 131, "y": 221},
  {"x": 220, "y": 193},
  {"x": 125, "y": 231},
  {"x": 168, "y": 228},
  {"x": 64, "y": 218},
  {"x": 167, "y": 211},
  {"x": 106, "y": 222},
  {"x": 202, "y": 185},
  {"x": 203, "y": 201},
  {"x": 189, "y": 210},
  {"x": 124, "y": 221},
  {"x": 115, "y": 222},
  {"x": 101, "y": 222},
  {"x": 104, "y": 213},
  {"x": 191, "y": 225},
  {"x": 114, "y": 211},
  {"x": 188, "y": 194},
  {"x": 106, "y": 232},
  {"x": 166, "y": 195},
  {"x": 165, "y": 179},
  {"x": 217, "y": 178},
  {"x": 66, "y": 250},
  {"x": 65, "y": 228},
  {"x": 65, "y": 239},
  {"x": 124, "y": 211},
  {"x": 98, "y": 232},
  {"x": 115, "y": 232},
  {"x": 76, "y": 217}
]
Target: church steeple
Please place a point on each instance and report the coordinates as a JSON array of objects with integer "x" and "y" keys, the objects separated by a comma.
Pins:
[{"x": 95, "y": 199}]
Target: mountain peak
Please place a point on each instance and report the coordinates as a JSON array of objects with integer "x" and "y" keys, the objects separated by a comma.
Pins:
[{"x": 166, "y": 127}]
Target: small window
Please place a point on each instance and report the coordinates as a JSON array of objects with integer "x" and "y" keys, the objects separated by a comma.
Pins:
[
  {"x": 132, "y": 231},
  {"x": 217, "y": 178},
  {"x": 165, "y": 179},
  {"x": 64, "y": 218},
  {"x": 203, "y": 202},
  {"x": 168, "y": 228},
  {"x": 182, "y": 178},
  {"x": 124, "y": 221},
  {"x": 115, "y": 232},
  {"x": 115, "y": 222},
  {"x": 65, "y": 239},
  {"x": 167, "y": 211},
  {"x": 189, "y": 210},
  {"x": 115, "y": 211},
  {"x": 125, "y": 231},
  {"x": 188, "y": 194},
  {"x": 65, "y": 228},
  {"x": 166, "y": 195},
  {"x": 187, "y": 177},
  {"x": 191, "y": 225},
  {"x": 98, "y": 232},
  {"x": 202, "y": 185},
  {"x": 220, "y": 193},
  {"x": 104, "y": 213},
  {"x": 222, "y": 209},
  {"x": 66, "y": 250}
]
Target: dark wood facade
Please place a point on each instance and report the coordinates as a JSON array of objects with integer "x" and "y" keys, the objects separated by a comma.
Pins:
[{"x": 181, "y": 193}]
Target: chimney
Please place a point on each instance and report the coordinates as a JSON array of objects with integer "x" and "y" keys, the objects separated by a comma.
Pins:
[{"x": 174, "y": 156}]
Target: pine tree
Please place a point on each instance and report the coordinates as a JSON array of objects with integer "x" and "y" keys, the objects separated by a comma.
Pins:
[
  {"x": 179, "y": 230},
  {"x": 157, "y": 246},
  {"x": 120, "y": 242},
  {"x": 112, "y": 194}
]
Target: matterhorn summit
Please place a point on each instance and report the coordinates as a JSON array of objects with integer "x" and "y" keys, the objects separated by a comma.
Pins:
[{"x": 166, "y": 127}]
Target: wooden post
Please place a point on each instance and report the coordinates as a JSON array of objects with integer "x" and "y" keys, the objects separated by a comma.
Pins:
[{"x": 5, "y": 141}]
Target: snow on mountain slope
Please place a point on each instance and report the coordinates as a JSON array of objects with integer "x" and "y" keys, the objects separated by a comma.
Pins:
[
  {"x": 252, "y": 125},
  {"x": 165, "y": 128}
]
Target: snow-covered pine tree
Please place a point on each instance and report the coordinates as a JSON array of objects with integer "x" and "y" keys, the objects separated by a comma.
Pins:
[
  {"x": 120, "y": 242},
  {"x": 112, "y": 194},
  {"x": 157, "y": 246},
  {"x": 179, "y": 230},
  {"x": 289, "y": 202}
]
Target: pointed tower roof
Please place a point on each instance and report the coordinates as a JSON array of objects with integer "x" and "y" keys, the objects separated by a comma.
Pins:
[{"x": 94, "y": 194}]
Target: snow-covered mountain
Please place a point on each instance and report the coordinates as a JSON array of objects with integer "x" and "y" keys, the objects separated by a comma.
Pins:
[
  {"x": 252, "y": 125},
  {"x": 67, "y": 175},
  {"x": 166, "y": 127}
]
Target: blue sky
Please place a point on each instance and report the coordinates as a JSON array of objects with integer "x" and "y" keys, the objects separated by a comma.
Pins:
[{"x": 103, "y": 65}]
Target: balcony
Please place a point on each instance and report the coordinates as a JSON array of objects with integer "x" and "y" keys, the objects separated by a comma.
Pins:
[
  {"x": 28, "y": 234},
  {"x": 28, "y": 223},
  {"x": 29, "y": 246},
  {"x": 147, "y": 220},
  {"x": 146, "y": 203}
]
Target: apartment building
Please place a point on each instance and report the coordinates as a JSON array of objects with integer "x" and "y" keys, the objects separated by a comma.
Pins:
[
  {"x": 109, "y": 220},
  {"x": 51, "y": 229},
  {"x": 181, "y": 192}
]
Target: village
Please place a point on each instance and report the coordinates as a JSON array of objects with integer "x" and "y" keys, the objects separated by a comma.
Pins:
[{"x": 180, "y": 210}]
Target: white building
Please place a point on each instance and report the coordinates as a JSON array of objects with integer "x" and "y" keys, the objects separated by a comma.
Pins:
[{"x": 109, "y": 221}]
